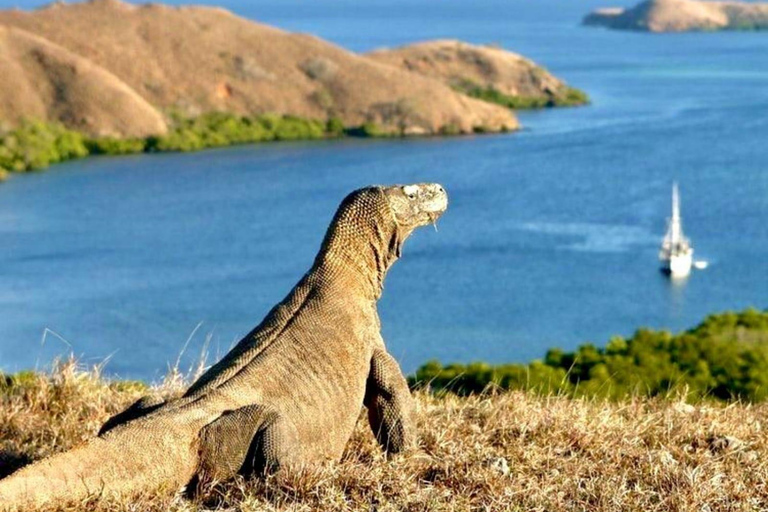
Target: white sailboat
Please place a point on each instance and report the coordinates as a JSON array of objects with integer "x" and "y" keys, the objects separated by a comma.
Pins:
[{"x": 676, "y": 253}]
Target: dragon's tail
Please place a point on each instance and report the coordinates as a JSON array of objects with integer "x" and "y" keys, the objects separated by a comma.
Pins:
[{"x": 113, "y": 465}]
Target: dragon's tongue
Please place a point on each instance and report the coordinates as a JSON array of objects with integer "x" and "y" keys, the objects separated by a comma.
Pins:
[{"x": 433, "y": 217}]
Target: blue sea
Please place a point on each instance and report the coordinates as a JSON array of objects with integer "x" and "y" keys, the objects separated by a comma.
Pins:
[{"x": 551, "y": 238}]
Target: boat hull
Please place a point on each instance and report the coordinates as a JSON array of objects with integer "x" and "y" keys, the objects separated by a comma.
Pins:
[{"x": 678, "y": 265}]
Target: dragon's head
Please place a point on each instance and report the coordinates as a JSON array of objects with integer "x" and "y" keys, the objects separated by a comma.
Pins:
[
  {"x": 371, "y": 225},
  {"x": 416, "y": 205},
  {"x": 412, "y": 206}
]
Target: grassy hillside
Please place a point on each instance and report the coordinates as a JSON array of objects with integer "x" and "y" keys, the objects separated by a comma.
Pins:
[{"x": 507, "y": 451}]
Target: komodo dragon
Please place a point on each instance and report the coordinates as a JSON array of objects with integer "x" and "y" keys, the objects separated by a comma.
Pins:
[{"x": 288, "y": 394}]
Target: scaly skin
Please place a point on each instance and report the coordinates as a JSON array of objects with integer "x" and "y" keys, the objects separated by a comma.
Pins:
[{"x": 289, "y": 394}]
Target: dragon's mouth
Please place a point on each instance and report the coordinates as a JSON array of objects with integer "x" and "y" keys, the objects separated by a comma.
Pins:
[
  {"x": 435, "y": 208},
  {"x": 433, "y": 216},
  {"x": 437, "y": 204}
]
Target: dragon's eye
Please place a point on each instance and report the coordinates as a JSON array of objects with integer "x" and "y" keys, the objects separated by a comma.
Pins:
[{"x": 410, "y": 191}]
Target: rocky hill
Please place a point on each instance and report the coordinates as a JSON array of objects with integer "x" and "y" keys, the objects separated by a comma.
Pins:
[
  {"x": 483, "y": 72},
  {"x": 109, "y": 67},
  {"x": 42, "y": 80},
  {"x": 683, "y": 15}
]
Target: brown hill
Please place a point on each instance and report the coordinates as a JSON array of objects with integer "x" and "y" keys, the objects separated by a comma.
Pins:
[
  {"x": 44, "y": 81},
  {"x": 196, "y": 59},
  {"x": 465, "y": 67},
  {"x": 683, "y": 15}
]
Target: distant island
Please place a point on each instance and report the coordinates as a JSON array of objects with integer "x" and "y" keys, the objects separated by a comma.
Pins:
[
  {"x": 109, "y": 77},
  {"x": 682, "y": 16}
]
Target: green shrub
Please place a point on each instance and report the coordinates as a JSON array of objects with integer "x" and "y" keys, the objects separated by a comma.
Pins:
[
  {"x": 368, "y": 129},
  {"x": 127, "y": 386},
  {"x": 113, "y": 146},
  {"x": 725, "y": 357},
  {"x": 35, "y": 145},
  {"x": 450, "y": 129},
  {"x": 181, "y": 139},
  {"x": 334, "y": 127},
  {"x": 26, "y": 378},
  {"x": 572, "y": 97},
  {"x": 567, "y": 97},
  {"x": 492, "y": 95},
  {"x": 218, "y": 129},
  {"x": 294, "y": 128}
]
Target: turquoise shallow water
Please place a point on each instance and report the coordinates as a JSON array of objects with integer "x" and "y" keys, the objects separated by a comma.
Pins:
[{"x": 551, "y": 238}]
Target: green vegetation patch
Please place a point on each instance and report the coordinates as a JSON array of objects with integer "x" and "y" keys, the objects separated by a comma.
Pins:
[
  {"x": 24, "y": 378},
  {"x": 113, "y": 146},
  {"x": 36, "y": 145},
  {"x": 371, "y": 129},
  {"x": 725, "y": 357},
  {"x": 129, "y": 386},
  {"x": 219, "y": 129},
  {"x": 567, "y": 97}
]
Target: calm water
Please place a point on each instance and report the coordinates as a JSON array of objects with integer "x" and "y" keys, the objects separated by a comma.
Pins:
[{"x": 551, "y": 238}]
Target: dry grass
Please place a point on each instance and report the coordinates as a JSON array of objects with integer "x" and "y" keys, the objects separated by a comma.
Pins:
[{"x": 511, "y": 451}]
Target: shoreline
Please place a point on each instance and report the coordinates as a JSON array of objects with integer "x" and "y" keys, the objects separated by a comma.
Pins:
[
  {"x": 698, "y": 364},
  {"x": 36, "y": 145}
]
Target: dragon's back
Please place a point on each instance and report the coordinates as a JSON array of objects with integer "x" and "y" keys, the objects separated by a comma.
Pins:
[{"x": 311, "y": 366}]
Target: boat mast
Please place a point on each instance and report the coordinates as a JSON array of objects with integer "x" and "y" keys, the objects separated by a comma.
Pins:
[
  {"x": 674, "y": 240},
  {"x": 675, "y": 227}
]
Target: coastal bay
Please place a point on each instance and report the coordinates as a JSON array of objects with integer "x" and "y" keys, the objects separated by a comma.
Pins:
[{"x": 551, "y": 240}]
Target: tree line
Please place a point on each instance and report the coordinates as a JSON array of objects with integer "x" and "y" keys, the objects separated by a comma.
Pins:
[{"x": 725, "y": 357}]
